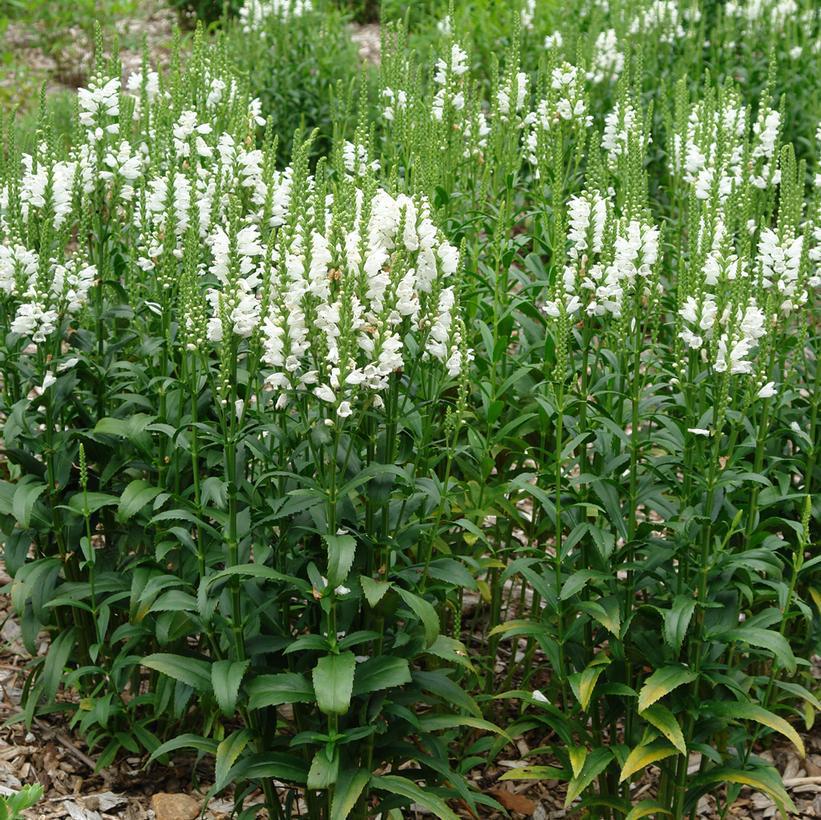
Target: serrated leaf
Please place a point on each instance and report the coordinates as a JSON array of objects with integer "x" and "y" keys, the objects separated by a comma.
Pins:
[
  {"x": 226, "y": 677},
  {"x": 535, "y": 773},
  {"x": 768, "y": 639},
  {"x": 577, "y": 755},
  {"x": 79, "y": 502},
  {"x": 276, "y": 690},
  {"x": 763, "y": 778},
  {"x": 578, "y": 581},
  {"x": 24, "y": 499},
  {"x": 583, "y": 683},
  {"x": 191, "y": 671},
  {"x": 665, "y": 721},
  {"x": 737, "y": 710},
  {"x": 134, "y": 497},
  {"x": 227, "y": 753},
  {"x": 324, "y": 769},
  {"x": 382, "y": 672},
  {"x": 349, "y": 786},
  {"x": 643, "y": 756},
  {"x": 662, "y": 682},
  {"x": 392, "y": 784},
  {"x": 596, "y": 762},
  {"x": 677, "y": 620},
  {"x": 449, "y": 649},
  {"x": 374, "y": 590},
  {"x": 435, "y": 723},
  {"x": 277, "y": 765},
  {"x": 341, "y": 552},
  {"x": 187, "y": 741},
  {"x": 333, "y": 683},
  {"x": 56, "y": 659},
  {"x": 424, "y": 611},
  {"x": 645, "y": 808}
]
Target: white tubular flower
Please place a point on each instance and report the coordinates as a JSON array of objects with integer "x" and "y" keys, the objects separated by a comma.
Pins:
[
  {"x": 767, "y": 391},
  {"x": 18, "y": 267},
  {"x": 570, "y": 103},
  {"x": 554, "y": 41},
  {"x": 617, "y": 126},
  {"x": 36, "y": 320},
  {"x": 700, "y": 316},
  {"x": 731, "y": 356},
  {"x": 527, "y": 15},
  {"x": 98, "y": 102},
  {"x": 254, "y": 14},
  {"x": 588, "y": 215},
  {"x": 780, "y": 261},
  {"x": 608, "y": 61}
]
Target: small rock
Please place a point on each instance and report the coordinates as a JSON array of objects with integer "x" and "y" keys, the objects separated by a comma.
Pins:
[{"x": 174, "y": 806}]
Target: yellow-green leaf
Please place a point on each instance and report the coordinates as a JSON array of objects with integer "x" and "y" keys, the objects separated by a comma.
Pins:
[
  {"x": 645, "y": 809},
  {"x": 578, "y": 755},
  {"x": 749, "y": 711},
  {"x": 764, "y": 779},
  {"x": 597, "y": 761},
  {"x": 583, "y": 683},
  {"x": 535, "y": 773},
  {"x": 662, "y": 682},
  {"x": 665, "y": 721},
  {"x": 643, "y": 756}
]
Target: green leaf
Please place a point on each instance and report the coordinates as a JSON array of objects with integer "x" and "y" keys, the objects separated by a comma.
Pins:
[
  {"x": 577, "y": 756},
  {"x": 605, "y": 611},
  {"x": 763, "y": 778},
  {"x": 645, "y": 808},
  {"x": 382, "y": 672},
  {"x": 597, "y": 761},
  {"x": 349, "y": 786},
  {"x": 583, "y": 683},
  {"x": 188, "y": 741},
  {"x": 226, "y": 677},
  {"x": 768, "y": 639},
  {"x": 227, "y": 753},
  {"x": 24, "y": 499},
  {"x": 333, "y": 683},
  {"x": 644, "y": 755},
  {"x": 124, "y": 428},
  {"x": 738, "y": 710},
  {"x": 424, "y": 611},
  {"x": 436, "y": 723},
  {"x": 449, "y": 649},
  {"x": 191, "y": 671},
  {"x": 55, "y": 663},
  {"x": 662, "y": 682},
  {"x": 95, "y": 501},
  {"x": 665, "y": 721},
  {"x": 341, "y": 552},
  {"x": 535, "y": 773},
  {"x": 134, "y": 497},
  {"x": 277, "y": 765},
  {"x": 392, "y": 784},
  {"x": 578, "y": 580},
  {"x": 276, "y": 690},
  {"x": 676, "y": 621},
  {"x": 374, "y": 590},
  {"x": 258, "y": 571},
  {"x": 324, "y": 769}
]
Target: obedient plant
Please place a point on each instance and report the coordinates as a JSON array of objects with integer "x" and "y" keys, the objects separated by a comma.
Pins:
[
  {"x": 539, "y": 324},
  {"x": 234, "y": 393}
]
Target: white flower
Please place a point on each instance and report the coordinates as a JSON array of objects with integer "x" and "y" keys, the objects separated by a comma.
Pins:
[
  {"x": 325, "y": 393},
  {"x": 767, "y": 391},
  {"x": 699, "y": 431}
]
